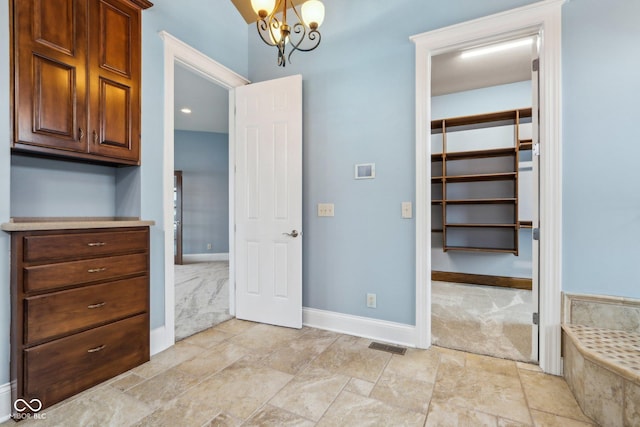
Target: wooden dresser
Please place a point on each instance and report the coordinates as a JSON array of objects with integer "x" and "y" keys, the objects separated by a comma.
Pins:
[{"x": 80, "y": 308}]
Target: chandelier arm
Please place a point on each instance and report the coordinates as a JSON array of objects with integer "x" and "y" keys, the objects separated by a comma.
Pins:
[
  {"x": 263, "y": 26},
  {"x": 313, "y": 36}
]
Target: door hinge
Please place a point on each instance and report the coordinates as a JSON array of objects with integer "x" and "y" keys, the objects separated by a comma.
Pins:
[
  {"x": 536, "y": 149},
  {"x": 536, "y": 234},
  {"x": 535, "y": 64},
  {"x": 536, "y": 319}
]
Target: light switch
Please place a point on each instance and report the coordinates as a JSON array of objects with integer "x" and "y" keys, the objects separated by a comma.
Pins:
[
  {"x": 407, "y": 210},
  {"x": 325, "y": 209}
]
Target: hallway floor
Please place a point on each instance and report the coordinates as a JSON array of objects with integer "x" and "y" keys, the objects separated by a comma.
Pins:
[
  {"x": 202, "y": 296},
  {"x": 243, "y": 373}
]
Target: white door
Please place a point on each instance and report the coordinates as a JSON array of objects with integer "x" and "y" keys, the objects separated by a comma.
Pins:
[{"x": 269, "y": 202}]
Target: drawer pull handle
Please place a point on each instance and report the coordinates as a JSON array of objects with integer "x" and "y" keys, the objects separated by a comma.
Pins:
[
  {"x": 94, "y": 244},
  {"x": 96, "y": 270},
  {"x": 96, "y": 349},
  {"x": 99, "y": 305}
]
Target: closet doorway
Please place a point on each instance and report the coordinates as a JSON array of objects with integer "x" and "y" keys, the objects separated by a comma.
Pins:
[
  {"x": 544, "y": 17},
  {"x": 201, "y": 164},
  {"x": 484, "y": 195}
]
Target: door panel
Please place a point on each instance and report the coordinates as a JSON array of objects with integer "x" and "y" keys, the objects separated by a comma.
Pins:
[
  {"x": 50, "y": 89},
  {"x": 114, "y": 67},
  {"x": 269, "y": 202}
]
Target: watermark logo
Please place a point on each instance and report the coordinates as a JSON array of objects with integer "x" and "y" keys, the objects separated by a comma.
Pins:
[{"x": 26, "y": 409}]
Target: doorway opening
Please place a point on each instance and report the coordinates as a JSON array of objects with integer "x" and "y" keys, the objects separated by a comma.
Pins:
[
  {"x": 178, "y": 52},
  {"x": 483, "y": 194},
  {"x": 201, "y": 153},
  {"x": 543, "y": 18}
]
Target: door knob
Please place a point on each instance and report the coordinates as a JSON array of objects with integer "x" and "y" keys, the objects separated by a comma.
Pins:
[{"x": 294, "y": 233}]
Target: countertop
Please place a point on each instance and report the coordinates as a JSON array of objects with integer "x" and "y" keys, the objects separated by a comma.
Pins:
[{"x": 68, "y": 223}]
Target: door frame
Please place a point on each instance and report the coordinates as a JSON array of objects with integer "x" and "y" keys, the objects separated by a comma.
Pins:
[
  {"x": 177, "y": 175},
  {"x": 545, "y": 16},
  {"x": 176, "y": 51}
]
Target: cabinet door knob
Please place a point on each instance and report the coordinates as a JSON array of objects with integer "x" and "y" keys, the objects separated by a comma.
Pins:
[
  {"x": 94, "y": 244},
  {"x": 81, "y": 132},
  {"x": 97, "y": 270}
]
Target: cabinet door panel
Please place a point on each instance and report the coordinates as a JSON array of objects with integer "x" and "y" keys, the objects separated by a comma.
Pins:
[
  {"x": 50, "y": 75},
  {"x": 114, "y": 64},
  {"x": 54, "y": 24},
  {"x": 115, "y": 40},
  {"x": 115, "y": 106}
]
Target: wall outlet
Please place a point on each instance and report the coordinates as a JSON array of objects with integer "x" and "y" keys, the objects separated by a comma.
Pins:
[
  {"x": 325, "y": 209},
  {"x": 208, "y": 246},
  {"x": 371, "y": 300}
]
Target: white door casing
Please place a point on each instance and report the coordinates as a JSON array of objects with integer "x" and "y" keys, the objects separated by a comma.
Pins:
[
  {"x": 544, "y": 16},
  {"x": 176, "y": 51},
  {"x": 269, "y": 202},
  {"x": 535, "y": 219}
]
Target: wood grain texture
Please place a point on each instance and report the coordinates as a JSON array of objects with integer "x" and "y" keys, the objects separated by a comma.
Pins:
[{"x": 480, "y": 279}]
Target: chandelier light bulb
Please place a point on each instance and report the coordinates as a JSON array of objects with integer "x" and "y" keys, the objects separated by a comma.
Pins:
[
  {"x": 313, "y": 13},
  {"x": 263, "y": 8}
]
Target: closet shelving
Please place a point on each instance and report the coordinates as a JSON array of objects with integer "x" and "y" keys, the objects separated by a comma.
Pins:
[{"x": 483, "y": 220}]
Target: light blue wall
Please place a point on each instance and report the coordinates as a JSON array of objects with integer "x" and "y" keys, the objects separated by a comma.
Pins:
[
  {"x": 45, "y": 187},
  {"x": 5, "y": 191},
  {"x": 218, "y": 31},
  {"x": 203, "y": 158},
  {"x": 496, "y": 98},
  {"x": 601, "y": 188},
  {"x": 359, "y": 107}
]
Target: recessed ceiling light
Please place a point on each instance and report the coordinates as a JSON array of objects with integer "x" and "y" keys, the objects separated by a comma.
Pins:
[
  {"x": 496, "y": 48},
  {"x": 186, "y": 110}
]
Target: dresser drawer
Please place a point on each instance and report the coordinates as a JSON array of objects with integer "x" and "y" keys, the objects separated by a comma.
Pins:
[
  {"x": 83, "y": 245},
  {"x": 51, "y": 276},
  {"x": 59, "y": 313},
  {"x": 61, "y": 368}
]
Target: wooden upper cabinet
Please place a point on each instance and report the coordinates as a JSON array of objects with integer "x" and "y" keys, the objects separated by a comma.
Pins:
[{"x": 77, "y": 78}]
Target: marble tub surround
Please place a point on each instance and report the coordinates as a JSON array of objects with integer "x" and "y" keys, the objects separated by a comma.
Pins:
[
  {"x": 482, "y": 319},
  {"x": 601, "y": 354},
  {"x": 601, "y": 311},
  {"x": 202, "y": 297},
  {"x": 71, "y": 223},
  {"x": 225, "y": 376}
]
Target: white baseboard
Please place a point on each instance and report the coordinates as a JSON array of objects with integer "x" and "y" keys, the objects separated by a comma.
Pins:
[
  {"x": 5, "y": 402},
  {"x": 379, "y": 330},
  {"x": 158, "y": 341},
  {"x": 205, "y": 257}
]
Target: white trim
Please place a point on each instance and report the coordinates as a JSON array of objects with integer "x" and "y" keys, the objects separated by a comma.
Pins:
[
  {"x": 544, "y": 16},
  {"x": 366, "y": 327},
  {"x": 158, "y": 341},
  {"x": 205, "y": 257},
  {"x": 180, "y": 52},
  {"x": 5, "y": 402}
]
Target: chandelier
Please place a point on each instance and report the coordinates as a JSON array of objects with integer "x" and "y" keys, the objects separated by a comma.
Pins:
[{"x": 275, "y": 31}]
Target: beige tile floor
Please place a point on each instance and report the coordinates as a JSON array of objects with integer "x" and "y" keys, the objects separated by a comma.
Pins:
[{"x": 242, "y": 373}]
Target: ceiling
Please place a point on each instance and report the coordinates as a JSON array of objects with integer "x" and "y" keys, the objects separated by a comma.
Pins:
[
  {"x": 450, "y": 73},
  {"x": 209, "y": 103}
]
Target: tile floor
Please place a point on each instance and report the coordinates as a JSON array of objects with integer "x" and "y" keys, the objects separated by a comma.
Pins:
[{"x": 243, "y": 373}]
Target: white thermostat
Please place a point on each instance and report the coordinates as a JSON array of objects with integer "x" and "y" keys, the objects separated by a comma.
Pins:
[{"x": 365, "y": 171}]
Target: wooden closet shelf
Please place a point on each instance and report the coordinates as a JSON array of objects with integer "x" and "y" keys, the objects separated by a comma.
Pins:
[
  {"x": 475, "y": 225},
  {"x": 526, "y": 224},
  {"x": 481, "y": 118},
  {"x": 480, "y": 154},
  {"x": 496, "y": 201},
  {"x": 525, "y": 144},
  {"x": 480, "y": 249},
  {"x": 503, "y": 176}
]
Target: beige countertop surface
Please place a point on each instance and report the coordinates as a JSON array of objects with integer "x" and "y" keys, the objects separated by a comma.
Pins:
[{"x": 68, "y": 223}]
